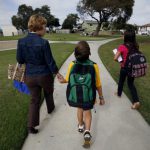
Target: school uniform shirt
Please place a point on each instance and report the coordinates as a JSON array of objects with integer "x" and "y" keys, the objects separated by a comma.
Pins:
[{"x": 98, "y": 81}]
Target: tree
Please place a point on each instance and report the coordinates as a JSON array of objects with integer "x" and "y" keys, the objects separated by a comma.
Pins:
[
  {"x": 55, "y": 22},
  {"x": 20, "y": 21},
  {"x": 131, "y": 27},
  {"x": 106, "y": 10},
  {"x": 45, "y": 12},
  {"x": 17, "y": 22},
  {"x": 121, "y": 25},
  {"x": 70, "y": 21}
]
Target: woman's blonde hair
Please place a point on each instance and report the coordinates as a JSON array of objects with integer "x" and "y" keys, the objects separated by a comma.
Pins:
[{"x": 36, "y": 23}]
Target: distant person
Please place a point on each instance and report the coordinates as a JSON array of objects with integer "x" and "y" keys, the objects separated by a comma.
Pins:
[
  {"x": 35, "y": 52},
  {"x": 83, "y": 80},
  {"x": 129, "y": 46}
]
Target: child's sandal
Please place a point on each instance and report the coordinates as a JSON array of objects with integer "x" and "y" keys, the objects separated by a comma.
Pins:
[{"x": 135, "y": 105}]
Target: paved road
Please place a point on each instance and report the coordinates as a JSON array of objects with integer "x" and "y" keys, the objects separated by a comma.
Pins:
[
  {"x": 7, "y": 45},
  {"x": 115, "y": 125},
  {"x": 10, "y": 45}
]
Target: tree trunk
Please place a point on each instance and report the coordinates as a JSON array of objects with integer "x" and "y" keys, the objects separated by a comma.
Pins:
[{"x": 97, "y": 29}]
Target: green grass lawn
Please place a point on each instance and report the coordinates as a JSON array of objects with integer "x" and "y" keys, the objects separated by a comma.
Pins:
[
  {"x": 63, "y": 37},
  {"x": 75, "y": 37},
  {"x": 7, "y": 38},
  {"x": 14, "y": 105},
  {"x": 142, "y": 84}
]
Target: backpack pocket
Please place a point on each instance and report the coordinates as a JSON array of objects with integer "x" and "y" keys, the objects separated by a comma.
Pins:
[{"x": 80, "y": 94}]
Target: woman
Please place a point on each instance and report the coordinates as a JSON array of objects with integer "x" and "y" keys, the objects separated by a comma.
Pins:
[
  {"x": 130, "y": 46},
  {"x": 35, "y": 52}
]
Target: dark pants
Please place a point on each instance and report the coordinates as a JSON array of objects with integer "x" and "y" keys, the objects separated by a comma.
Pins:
[
  {"x": 35, "y": 85},
  {"x": 130, "y": 82}
]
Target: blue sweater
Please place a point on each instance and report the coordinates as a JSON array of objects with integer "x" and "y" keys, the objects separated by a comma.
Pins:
[{"x": 35, "y": 52}]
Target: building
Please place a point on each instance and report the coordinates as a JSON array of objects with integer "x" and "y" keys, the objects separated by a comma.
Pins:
[
  {"x": 144, "y": 29},
  {"x": 9, "y": 30},
  {"x": 65, "y": 31},
  {"x": 89, "y": 26}
]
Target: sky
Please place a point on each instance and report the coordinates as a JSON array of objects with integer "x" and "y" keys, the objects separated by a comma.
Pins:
[{"x": 61, "y": 8}]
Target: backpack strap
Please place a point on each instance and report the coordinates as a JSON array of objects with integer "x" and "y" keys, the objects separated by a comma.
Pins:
[{"x": 88, "y": 62}]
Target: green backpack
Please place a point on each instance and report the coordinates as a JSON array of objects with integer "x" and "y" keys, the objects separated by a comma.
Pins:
[{"x": 81, "y": 89}]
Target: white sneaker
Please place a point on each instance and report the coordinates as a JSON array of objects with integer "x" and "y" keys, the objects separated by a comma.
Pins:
[
  {"x": 81, "y": 128},
  {"x": 87, "y": 135}
]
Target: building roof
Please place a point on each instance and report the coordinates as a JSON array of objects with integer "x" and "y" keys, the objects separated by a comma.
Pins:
[{"x": 146, "y": 25}]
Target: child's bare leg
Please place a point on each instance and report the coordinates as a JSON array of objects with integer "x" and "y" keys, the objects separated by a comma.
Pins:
[
  {"x": 87, "y": 119},
  {"x": 80, "y": 116}
]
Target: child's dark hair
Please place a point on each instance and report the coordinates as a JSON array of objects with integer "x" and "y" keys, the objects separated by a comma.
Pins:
[
  {"x": 82, "y": 51},
  {"x": 130, "y": 41}
]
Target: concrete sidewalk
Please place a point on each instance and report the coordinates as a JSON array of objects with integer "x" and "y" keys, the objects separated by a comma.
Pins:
[
  {"x": 8, "y": 45},
  {"x": 115, "y": 125}
]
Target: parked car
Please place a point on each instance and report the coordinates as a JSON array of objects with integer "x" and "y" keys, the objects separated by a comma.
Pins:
[{"x": 144, "y": 33}]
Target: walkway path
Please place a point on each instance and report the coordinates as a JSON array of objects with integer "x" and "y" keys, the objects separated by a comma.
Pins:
[
  {"x": 115, "y": 125},
  {"x": 8, "y": 45}
]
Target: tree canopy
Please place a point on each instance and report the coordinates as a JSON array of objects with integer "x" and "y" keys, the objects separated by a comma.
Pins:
[
  {"x": 45, "y": 11},
  {"x": 106, "y": 10},
  {"x": 20, "y": 21},
  {"x": 70, "y": 21}
]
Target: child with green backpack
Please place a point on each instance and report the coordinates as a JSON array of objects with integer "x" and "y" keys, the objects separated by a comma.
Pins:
[{"x": 83, "y": 80}]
